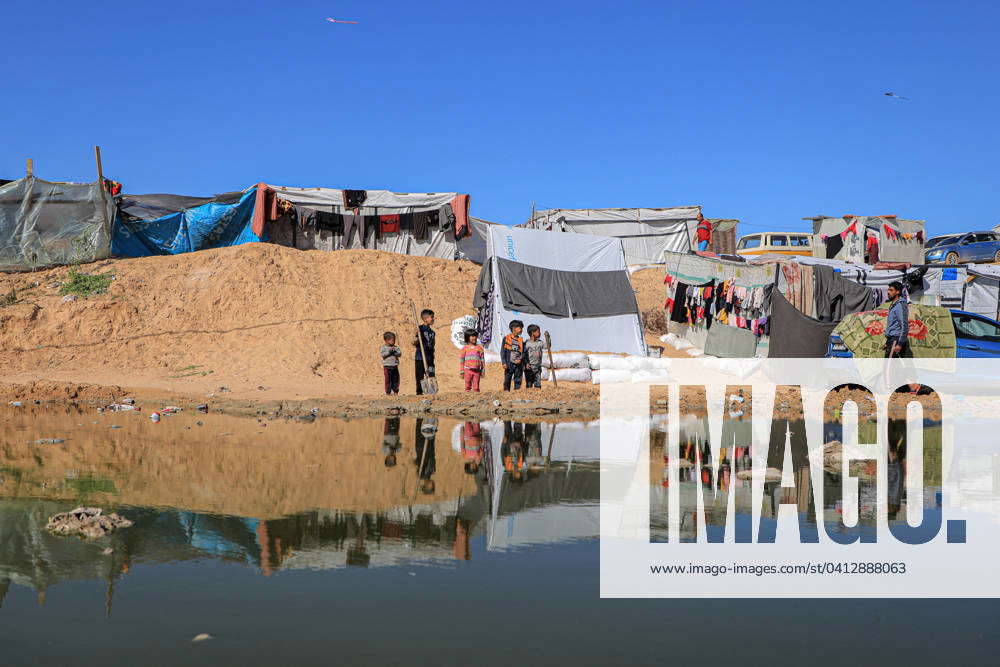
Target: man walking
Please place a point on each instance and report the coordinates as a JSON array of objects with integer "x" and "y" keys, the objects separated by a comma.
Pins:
[{"x": 897, "y": 326}]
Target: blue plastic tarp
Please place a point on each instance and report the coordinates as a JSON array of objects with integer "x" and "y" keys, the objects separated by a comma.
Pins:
[{"x": 212, "y": 225}]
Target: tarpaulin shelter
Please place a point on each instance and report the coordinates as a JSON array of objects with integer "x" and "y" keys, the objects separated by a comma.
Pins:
[
  {"x": 574, "y": 286},
  {"x": 853, "y": 238},
  {"x": 645, "y": 233},
  {"x": 161, "y": 224},
  {"x": 420, "y": 224},
  {"x": 473, "y": 246},
  {"x": 44, "y": 223}
]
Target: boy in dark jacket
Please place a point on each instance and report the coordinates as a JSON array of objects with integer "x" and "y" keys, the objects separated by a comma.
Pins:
[
  {"x": 421, "y": 365},
  {"x": 512, "y": 356}
]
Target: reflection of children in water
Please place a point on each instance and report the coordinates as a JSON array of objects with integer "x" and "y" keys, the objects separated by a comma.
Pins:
[
  {"x": 512, "y": 450},
  {"x": 472, "y": 446},
  {"x": 426, "y": 462},
  {"x": 535, "y": 459},
  {"x": 390, "y": 440}
]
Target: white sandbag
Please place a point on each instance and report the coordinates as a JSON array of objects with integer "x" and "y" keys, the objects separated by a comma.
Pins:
[
  {"x": 597, "y": 358},
  {"x": 657, "y": 376},
  {"x": 695, "y": 352},
  {"x": 566, "y": 360},
  {"x": 606, "y": 376},
  {"x": 680, "y": 344},
  {"x": 569, "y": 374},
  {"x": 668, "y": 338},
  {"x": 458, "y": 328}
]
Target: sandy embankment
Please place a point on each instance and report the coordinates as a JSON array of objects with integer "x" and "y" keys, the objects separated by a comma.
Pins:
[{"x": 254, "y": 326}]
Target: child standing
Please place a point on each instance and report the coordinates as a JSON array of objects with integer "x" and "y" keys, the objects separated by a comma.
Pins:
[
  {"x": 472, "y": 361},
  {"x": 533, "y": 350},
  {"x": 425, "y": 334},
  {"x": 512, "y": 356},
  {"x": 390, "y": 353}
]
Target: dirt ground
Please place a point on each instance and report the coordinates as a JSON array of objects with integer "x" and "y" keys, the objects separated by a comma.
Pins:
[{"x": 253, "y": 325}]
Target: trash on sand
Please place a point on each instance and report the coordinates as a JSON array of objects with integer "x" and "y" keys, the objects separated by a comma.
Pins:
[
  {"x": 203, "y": 407},
  {"x": 202, "y": 637},
  {"x": 170, "y": 410},
  {"x": 89, "y": 523},
  {"x": 17, "y": 404},
  {"x": 154, "y": 417},
  {"x": 116, "y": 426},
  {"x": 122, "y": 407},
  {"x": 50, "y": 441},
  {"x": 128, "y": 401}
]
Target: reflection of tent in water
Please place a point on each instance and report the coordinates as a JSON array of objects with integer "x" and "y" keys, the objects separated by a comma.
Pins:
[
  {"x": 542, "y": 488},
  {"x": 555, "y": 501}
]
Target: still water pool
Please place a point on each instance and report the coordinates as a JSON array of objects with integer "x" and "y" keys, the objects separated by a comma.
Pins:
[{"x": 371, "y": 542}]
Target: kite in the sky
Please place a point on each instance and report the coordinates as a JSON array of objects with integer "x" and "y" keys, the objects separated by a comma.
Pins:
[
  {"x": 336, "y": 21},
  {"x": 898, "y": 97}
]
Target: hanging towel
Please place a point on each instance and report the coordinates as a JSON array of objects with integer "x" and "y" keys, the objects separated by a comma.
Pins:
[
  {"x": 354, "y": 199},
  {"x": 388, "y": 224}
]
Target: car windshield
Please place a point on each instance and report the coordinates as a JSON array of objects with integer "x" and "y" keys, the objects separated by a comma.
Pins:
[
  {"x": 750, "y": 242},
  {"x": 941, "y": 240}
]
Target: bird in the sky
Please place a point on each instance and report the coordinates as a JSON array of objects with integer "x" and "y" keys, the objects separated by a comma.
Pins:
[
  {"x": 898, "y": 97},
  {"x": 336, "y": 21}
]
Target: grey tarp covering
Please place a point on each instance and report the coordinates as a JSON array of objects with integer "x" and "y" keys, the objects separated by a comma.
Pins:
[
  {"x": 473, "y": 246},
  {"x": 730, "y": 342},
  {"x": 49, "y": 224},
  {"x": 836, "y": 296},
  {"x": 532, "y": 289},
  {"x": 794, "y": 335},
  {"x": 483, "y": 285}
]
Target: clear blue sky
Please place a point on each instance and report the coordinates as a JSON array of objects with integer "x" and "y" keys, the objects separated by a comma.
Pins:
[{"x": 764, "y": 111}]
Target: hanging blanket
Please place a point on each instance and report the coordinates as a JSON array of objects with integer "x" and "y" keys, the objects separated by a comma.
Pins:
[{"x": 931, "y": 333}]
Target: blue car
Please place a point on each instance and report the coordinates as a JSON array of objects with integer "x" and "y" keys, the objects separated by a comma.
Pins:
[
  {"x": 977, "y": 337},
  {"x": 963, "y": 248}
]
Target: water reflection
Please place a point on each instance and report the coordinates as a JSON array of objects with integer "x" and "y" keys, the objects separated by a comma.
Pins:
[
  {"x": 733, "y": 478},
  {"x": 285, "y": 495}
]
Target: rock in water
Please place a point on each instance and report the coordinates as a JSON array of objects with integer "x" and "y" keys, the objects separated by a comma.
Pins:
[
  {"x": 202, "y": 637},
  {"x": 90, "y": 523}
]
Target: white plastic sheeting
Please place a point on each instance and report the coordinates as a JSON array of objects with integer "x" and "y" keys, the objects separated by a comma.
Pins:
[
  {"x": 645, "y": 232},
  {"x": 565, "y": 252}
]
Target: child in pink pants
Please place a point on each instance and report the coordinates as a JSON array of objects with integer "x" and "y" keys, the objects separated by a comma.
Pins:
[{"x": 472, "y": 361}]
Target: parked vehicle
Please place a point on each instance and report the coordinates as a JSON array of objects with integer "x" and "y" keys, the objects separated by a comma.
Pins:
[
  {"x": 963, "y": 248},
  {"x": 781, "y": 243},
  {"x": 976, "y": 337}
]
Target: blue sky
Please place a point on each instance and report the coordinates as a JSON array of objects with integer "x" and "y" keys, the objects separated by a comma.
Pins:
[{"x": 763, "y": 111}]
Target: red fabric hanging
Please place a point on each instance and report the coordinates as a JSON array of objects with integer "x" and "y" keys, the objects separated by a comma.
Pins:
[{"x": 388, "y": 223}]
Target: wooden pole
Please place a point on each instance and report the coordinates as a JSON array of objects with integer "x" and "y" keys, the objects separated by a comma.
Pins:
[
  {"x": 30, "y": 168},
  {"x": 532, "y": 213},
  {"x": 100, "y": 168}
]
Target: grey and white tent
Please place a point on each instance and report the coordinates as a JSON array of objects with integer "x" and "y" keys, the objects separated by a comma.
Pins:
[
  {"x": 644, "y": 232},
  {"x": 440, "y": 241},
  {"x": 575, "y": 286}
]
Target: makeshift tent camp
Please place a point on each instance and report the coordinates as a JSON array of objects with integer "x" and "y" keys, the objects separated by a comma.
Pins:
[
  {"x": 425, "y": 225},
  {"x": 43, "y": 223},
  {"x": 645, "y": 232},
  {"x": 173, "y": 224},
  {"x": 576, "y": 287},
  {"x": 853, "y": 238}
]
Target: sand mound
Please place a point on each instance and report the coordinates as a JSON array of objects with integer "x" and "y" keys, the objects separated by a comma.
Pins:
[{"x": 261, "y": 320}]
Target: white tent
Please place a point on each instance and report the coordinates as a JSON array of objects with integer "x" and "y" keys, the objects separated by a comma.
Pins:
[
  {"x": 575, "y": 258},
  {"x": 645, "y": 232},
  {"x": 439, "y": 242}
]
